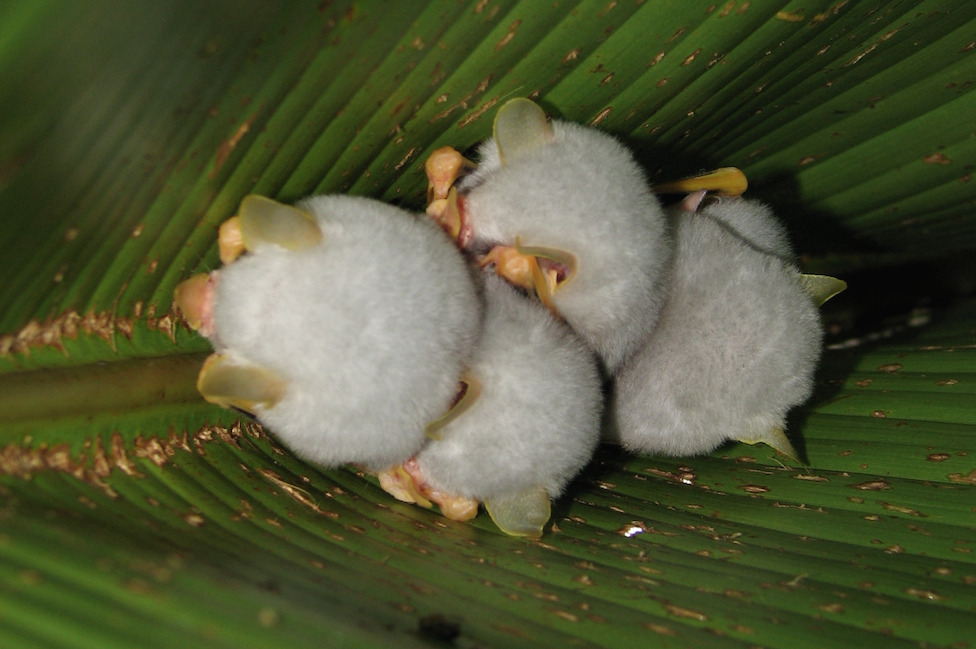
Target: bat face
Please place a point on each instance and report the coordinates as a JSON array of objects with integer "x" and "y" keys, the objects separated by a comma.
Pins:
[
  {"x": 735, "y": 347},
  {"x": 578, "y": 194},
  {"x": 344, "y": 329},
  {"x": 533, "y": 424}
]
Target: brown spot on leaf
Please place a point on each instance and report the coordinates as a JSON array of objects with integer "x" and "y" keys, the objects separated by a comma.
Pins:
[
  {"x": 658, "y": 628},
  {"x": 507, "y": 38},
  {"x": 924, "y": 593},
  {"x": 679, "y": 611},
  {"x": 463, "y": 103},
  {"x": 602, "y": 115},
  {"x": 754, "y": 489},
  {"x": 691, "y": 57},
  {"x": 959, "y": 478},
  {"x": 227, "y": 146},
  {"x": 903, "y": 510},
  {"x": 937, "y": 159},
  {"x": 872, "y": 485},
  {"x": 789, "y": 16},
  {"x": 488, "y": 105},
  {"x": 194, "y": 519},
  {"x": 405, "y": 159}
]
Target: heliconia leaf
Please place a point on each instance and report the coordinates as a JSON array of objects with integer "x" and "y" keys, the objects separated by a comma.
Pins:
[{"x": 135, "y": 514}]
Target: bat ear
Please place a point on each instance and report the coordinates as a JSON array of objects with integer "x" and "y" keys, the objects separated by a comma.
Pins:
[
  {"x": 238, "y": 384},
  {"x": 469, "y": 391},
  {"x": 727, "y": 181},
  {"x": 520, "y": 127},
  {"x": 261, "y": 220},
  {"x": 523, "y": 513},
  {"x": 776, "y": 438},
  {"x": 822, "y": 287}
]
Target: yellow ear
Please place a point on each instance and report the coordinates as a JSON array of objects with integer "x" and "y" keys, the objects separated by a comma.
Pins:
[
  {"x": 262, "y": 220},
  {"x": 524, "y": 513},
  {"x": 235, "y": 384},
  {"x": 520, "y": 127},
  {"x": 822, "y": 287},
  {"x": 472, "y": 390},
  {"x": 776, "y": 438}
]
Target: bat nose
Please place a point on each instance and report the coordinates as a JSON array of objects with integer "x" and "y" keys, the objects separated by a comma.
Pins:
[{"x": 194, "y": 298}]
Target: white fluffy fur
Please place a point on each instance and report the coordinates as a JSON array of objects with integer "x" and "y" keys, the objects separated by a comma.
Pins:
[
  {"x": 537, "y": 419},
  {"x": 582, "y": 193},
  {"x": 373, "y": 329},
  {"x": 736, "y": 344}
]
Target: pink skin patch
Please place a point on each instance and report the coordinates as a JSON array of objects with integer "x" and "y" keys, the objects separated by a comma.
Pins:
[
  {"x": 465, "y": 231},
  {"x": 692, "y": 201},
  {"x": 207, "y": 326}
]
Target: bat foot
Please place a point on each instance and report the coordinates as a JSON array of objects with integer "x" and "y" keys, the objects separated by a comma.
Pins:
[{"x": 406, "y": 483}]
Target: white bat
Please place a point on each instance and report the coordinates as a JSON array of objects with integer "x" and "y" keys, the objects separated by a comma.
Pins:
[
  {"x": 565, "y": 211},
  {"x": 737, "y": 341},
  {"x": 345, "y": 328},
  {"x": 529, "y": 423}
]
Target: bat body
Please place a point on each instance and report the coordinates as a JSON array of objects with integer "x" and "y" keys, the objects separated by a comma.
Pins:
[
  {"x": 345, "y": 348},
  {"x": 578, "y": 196},
  {"x": 536, "y": 419},
  {"x": 735, "y": 346}
]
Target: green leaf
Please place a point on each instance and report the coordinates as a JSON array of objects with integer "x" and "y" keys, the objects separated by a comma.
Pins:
[{"x": 134, "y": 514}]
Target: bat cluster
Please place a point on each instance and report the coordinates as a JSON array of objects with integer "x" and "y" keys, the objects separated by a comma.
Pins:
[{"x": 482, "y": 367}]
